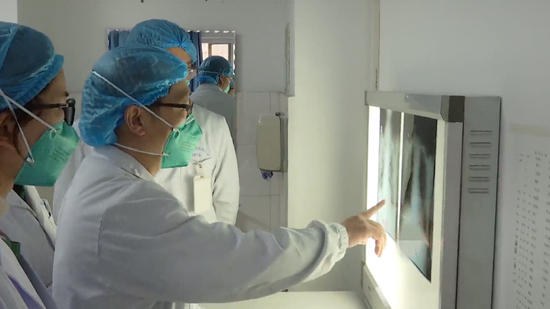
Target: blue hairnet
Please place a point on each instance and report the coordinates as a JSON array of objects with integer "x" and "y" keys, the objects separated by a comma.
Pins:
[
  {"x": 212, "y": 68},
  {"x": 28, "y": 63},
  {"x": 145, "y": 73},
  {"x": 163, "y": 34}
]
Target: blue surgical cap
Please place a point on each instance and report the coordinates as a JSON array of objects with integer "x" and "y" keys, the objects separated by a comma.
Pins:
[
  {"x": 145, "y": 73},
  {"x": 28, "y": 63},
  {"x": 163, "y": 34},
  {"x": 212, "y": 68}
]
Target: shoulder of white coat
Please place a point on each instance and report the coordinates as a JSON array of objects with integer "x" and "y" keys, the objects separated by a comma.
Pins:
[{"x": 207, "y": 119}]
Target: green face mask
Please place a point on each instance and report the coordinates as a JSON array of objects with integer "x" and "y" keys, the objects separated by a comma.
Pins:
[
  {"x": 181, "y": 143},
  {"x": 50, "y": 155},
  {"x": 188, "y": 82}
]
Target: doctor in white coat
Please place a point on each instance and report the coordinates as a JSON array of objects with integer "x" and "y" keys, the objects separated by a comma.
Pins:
[
  {"x": 215, "y": 78},
  {"x": 125, "y": 242},
  {"x": 212, "y": 173},
  {"x": 36, "y": 141}
]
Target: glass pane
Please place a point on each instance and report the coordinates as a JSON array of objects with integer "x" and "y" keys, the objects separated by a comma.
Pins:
[
  {"x": 220, "y": 50},
  {"x": 204, "y": 51}
]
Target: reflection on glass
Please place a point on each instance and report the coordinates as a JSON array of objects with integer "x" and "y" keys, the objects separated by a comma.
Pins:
[
  {"x": 417, "y": 199},
  {"x": 388, "y": 169}
]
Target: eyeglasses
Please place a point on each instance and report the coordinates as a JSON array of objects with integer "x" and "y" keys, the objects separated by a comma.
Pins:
[
  {"x": 69, "y": 109},
  {"x": 191, "y": 73},
  {"x": 187, "y": 107}
]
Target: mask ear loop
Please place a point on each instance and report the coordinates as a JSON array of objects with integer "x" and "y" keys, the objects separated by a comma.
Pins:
[{"x": 9, "y": 101}]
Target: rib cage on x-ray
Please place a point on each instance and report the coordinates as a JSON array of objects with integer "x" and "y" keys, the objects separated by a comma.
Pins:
[{"x": 417, "y": 203}]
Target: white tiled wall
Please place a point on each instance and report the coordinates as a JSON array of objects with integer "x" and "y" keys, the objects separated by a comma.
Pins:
[{"x": 263, "y": 202}]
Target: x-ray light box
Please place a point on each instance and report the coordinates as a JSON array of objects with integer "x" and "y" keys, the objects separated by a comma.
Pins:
[{"x": 434, "y": 159}]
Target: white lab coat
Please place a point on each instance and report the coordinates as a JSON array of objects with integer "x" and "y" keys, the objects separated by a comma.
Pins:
[
  {"x": 211, "y": 97},
  {"x": 214, "y": 157},
  {"x": 29, "y": 223},
  {"x": 124, "y": 242},
  {"x": 13, "y": 271}
]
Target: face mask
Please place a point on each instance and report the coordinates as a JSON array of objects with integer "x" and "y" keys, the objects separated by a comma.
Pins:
[
  {"x": 188, "y": 82},
  {"x": 227, "y": 89},
  {"x": 49, "y": 155},
  {"x": 181, "y": 142}
]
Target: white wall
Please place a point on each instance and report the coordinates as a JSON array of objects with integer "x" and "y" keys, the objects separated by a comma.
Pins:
[
  {"x": 263, "y": 202},
  {"x": 79, "y": 31},
  {"x": 474, "y": 47},
  {"x": 327, "y": 133},
  {"x": 8, "y": 11}
]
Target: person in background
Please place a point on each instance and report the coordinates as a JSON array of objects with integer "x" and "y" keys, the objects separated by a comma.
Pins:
[
  {"x": 36, "y": 141},
  {"x": 215, "y": 79},
  {"x": 125, "y": 242},
  {"x": 209, "y": 186}
]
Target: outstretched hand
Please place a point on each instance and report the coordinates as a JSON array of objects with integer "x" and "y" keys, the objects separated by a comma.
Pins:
[{"x": 360, "y": 228}]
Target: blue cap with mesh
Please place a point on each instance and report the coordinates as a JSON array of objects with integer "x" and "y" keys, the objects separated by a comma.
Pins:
[
  {"x": 143, "y": 72},
  {"x": 163, "y": 34},
  {"x": 28, "y": 63}
]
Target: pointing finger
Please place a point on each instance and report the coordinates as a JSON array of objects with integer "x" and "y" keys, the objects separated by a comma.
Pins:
[{"x": 371, "y": 211}]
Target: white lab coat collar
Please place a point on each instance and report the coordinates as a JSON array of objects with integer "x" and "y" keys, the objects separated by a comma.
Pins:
[
  {"x": 123, "y": 160},
  {"x": 35, "y": 205}
]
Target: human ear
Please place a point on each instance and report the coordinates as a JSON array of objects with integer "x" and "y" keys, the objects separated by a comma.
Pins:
[
  {"x": 7, "y": 127},
  {"x": 133, "y": 118}
]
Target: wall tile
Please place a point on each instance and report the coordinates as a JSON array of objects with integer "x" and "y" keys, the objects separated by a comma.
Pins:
[
  {"x": 254, "y": 213},
  {"x": 275, "y": 184},
  {"x": 283, "y": 211},
  {"x": 274, "y": 103},
  {"x": 250, "y": 176},
  {"x": 283, "y": 105},
  {"x": 275, "y": 209},
  {"x": 249, "y": 109}
]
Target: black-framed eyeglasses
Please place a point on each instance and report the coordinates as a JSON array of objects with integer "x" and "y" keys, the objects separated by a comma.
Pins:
[
  {"x": 187, "y": 107},
  {"x": 69, "y": 109}
]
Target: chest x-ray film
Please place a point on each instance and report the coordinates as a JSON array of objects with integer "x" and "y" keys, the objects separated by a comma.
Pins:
[
  {"x": 388, "y": 169},
  {"x": 417, "y": 191},
  {"x": 406, "y": 170}
]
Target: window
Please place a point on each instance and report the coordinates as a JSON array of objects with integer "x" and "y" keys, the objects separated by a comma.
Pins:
[{"x": 218, "y": 49}]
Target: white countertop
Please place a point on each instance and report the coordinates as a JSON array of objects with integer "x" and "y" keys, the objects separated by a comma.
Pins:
[{"x": 299, "y": 300}]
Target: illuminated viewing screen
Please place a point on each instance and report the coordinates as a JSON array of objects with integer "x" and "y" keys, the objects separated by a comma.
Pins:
[{"x": 406, "y": 171}]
